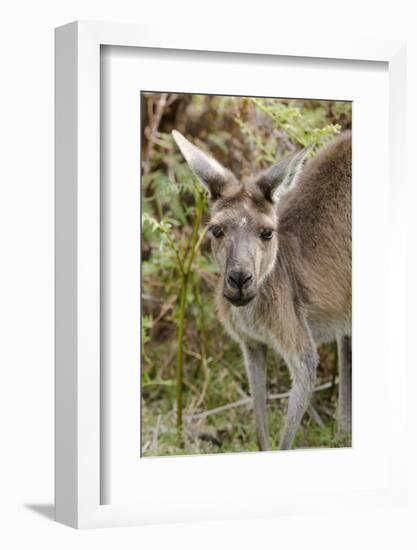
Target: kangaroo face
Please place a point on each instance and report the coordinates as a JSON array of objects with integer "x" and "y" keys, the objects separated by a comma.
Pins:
[
  {"x": 243, "y": 231},
  {"x": 244, "y": 221}
]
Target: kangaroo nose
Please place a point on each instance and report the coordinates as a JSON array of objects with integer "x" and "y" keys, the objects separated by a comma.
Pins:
[{"x": 239, "y": 279}]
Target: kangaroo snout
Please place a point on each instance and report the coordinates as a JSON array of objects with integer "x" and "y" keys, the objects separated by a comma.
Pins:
[
  {"x": 239, "y": 287},
  {"x": 239, "y": 279}
]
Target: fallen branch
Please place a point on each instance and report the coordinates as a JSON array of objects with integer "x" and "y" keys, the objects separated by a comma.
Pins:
[{"x": 248, "y": 402}]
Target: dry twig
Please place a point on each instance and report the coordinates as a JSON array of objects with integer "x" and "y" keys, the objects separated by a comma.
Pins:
[
  {"x": 248, "y": 402},
  {"x": 152, "y": 132},
  {"x": 315, "y": 416}
]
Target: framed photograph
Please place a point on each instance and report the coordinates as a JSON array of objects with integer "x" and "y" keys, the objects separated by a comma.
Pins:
[{"x": 228, "y": 213}]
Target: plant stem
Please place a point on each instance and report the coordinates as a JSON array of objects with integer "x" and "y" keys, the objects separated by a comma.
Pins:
[
  {"x": 180, "y": 355},
  {"x": 185, "y": 269}
]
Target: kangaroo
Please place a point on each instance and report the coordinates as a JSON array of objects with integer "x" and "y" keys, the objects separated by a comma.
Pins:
[{"x": 283, "y": 245}]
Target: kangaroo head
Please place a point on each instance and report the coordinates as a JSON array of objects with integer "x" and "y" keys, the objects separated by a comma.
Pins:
[{"x": 244, "y": 218}]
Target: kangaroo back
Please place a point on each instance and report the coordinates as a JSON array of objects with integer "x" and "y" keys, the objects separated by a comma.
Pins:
[{"x": 315, "y": 221}]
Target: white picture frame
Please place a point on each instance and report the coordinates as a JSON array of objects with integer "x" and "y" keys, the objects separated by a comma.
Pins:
[{"x": 78, "y": 406}]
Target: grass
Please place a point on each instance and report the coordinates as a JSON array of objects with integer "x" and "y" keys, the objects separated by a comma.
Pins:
[{"x": 232, "y": 430}]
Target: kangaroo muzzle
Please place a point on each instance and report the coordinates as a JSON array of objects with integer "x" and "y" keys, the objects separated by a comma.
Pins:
[{"x": 239, "y": 286}]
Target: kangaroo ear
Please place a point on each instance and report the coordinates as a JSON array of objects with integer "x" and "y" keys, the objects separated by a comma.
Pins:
[
  {"x": 217, "y": 179},
  {"x": 282, "y": 177}
]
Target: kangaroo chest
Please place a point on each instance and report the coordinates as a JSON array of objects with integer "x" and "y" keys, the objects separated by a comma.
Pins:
[{"x": 248, "y": 323}]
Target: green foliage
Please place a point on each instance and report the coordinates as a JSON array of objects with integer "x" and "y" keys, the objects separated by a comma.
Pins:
[
  {"x": 189, "y": 365},
  {"x": 305, "y": 127}
]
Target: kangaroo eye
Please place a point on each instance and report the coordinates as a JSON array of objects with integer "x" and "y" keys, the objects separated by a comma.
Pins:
[
  {"x": 266, "y": 234},
  {"x": 217, "y": 231}
]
